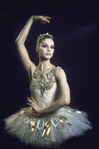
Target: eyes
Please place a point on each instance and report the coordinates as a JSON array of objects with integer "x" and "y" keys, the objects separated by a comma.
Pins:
[{"x": 46, "y": 46}]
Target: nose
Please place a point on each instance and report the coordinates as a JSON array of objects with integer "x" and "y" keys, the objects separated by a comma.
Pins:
[{"x": 48, "y": 49}]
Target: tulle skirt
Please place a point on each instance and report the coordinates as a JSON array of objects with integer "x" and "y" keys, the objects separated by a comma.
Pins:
[{"x": 47, "y": 131}]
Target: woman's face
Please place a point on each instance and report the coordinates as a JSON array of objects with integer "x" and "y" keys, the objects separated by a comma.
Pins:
[{"x": 46, "y": 48}]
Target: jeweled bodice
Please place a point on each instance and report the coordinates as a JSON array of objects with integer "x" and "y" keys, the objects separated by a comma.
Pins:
[
  {"x": 44, "y": 88},
  {"x": 43, "y": 82}
]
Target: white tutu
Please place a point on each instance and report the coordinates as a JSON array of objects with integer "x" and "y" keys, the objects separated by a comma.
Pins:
[{"x": 48, "y": 131}]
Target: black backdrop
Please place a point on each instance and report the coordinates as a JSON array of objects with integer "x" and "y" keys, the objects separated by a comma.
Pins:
[{"x": 73, "y": 26}]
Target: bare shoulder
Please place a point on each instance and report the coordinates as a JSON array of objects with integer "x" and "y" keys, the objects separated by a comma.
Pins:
[{"x": 60, "y": 73}]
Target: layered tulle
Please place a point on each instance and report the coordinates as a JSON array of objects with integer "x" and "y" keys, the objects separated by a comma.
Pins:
[{"x": 47, "y": 131}]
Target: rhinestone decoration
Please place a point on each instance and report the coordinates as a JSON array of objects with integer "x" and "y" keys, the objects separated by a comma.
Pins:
[{"x": 43, "y": 82}]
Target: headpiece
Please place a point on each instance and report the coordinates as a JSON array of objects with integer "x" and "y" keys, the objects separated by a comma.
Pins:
[{"x": 42, "y": 36}]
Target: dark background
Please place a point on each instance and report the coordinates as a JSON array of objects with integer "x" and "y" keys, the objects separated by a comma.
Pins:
[{"x": 74, "y": 28}]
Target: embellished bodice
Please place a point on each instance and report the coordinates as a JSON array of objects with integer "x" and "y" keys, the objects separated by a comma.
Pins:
[
  {"x": 43, "y": 82},
  {"x": 44, "y": 87}
]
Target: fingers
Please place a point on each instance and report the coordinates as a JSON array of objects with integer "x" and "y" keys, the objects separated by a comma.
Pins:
[
  {"x": 45, "y": 19},
  {"x": 34, "y": 113},
  {"x": 30, "y": 100},
  {"x": 48, "y": 17},
  {"x": 30, "y": 105},
  {"x": 33, "y": 100},
  {"x": 30, "y": 108},
  {"x": 42, "y": 19}
]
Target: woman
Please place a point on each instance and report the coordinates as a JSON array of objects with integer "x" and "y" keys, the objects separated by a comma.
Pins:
[{"x": 48, "y": 121}]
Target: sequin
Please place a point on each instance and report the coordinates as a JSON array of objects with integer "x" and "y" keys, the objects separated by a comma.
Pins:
[
  {"x": 78, "y": 112},
  {"x": 47, "y": 128},
  {"x": 68, "y": 123},
  {"x": 44, "y": 132},
  {"x": 43, "y": 82},
  {"x": 32, "y": 124},
  {"x": 48, "y": 131},
  {"x": 62, "y": 123},
  {"x": 21, "y": 112}
]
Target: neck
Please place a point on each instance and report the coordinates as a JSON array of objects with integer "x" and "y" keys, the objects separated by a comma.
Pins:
[{"x": 44, "y": 64}]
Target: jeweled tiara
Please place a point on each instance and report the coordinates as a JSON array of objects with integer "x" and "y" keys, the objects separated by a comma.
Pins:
[{"x": 41, "y": 36}]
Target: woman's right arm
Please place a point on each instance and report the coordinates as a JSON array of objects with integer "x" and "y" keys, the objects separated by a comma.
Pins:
[
  {"x": 20, "y": 44},
  {"x": 20, "y": 41}
]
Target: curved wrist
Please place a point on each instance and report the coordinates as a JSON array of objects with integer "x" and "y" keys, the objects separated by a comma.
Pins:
[
  {"x": 35, "y": 18},
  {"x": 31, "y": 18}
]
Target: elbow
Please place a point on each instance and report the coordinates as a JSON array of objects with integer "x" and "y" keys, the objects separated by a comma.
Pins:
[
  {"x": 67, "y": 101},
  {"x": 18, "y": 42}
]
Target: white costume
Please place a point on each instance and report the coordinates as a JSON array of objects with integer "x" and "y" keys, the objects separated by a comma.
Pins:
[{"x": 51, "y": 130}]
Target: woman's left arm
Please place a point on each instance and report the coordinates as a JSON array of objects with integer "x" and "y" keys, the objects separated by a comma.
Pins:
[
  {"x": 64, "y": 92},
  {"x": 64, "y": 98}
]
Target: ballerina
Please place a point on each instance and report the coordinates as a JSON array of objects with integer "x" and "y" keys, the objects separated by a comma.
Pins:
[{"x": 49, "y": 120}]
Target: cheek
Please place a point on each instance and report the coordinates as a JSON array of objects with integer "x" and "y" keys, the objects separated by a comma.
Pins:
[
  {"x": 42, "y": 51},
  {"x": 53, "y": 51}
]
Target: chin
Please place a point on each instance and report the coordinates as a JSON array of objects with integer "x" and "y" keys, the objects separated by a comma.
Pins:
[{"x": 46, "y": 57}]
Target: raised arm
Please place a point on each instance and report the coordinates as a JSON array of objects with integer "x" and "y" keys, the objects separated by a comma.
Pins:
[
  {"x": 20, "y": 41},
  {"x": 20, "y": 44}
]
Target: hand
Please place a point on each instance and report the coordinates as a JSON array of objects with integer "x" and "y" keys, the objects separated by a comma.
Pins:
[
  {"x": 32, "y": 103},
  {"x": 42, "y": 19}
]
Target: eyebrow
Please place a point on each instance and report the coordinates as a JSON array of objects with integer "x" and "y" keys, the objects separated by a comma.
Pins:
[{"x": 47, "y": 44}]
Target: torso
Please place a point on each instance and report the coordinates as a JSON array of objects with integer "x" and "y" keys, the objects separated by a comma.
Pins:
[{"x": 43, "y": 87}]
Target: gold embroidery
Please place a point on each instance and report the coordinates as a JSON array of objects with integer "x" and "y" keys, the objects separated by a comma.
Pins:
[
  {"x": 32, "y": 124},
  {"x": 78, "y": 112},
  {"x": 68, "y": 123},
  {"x": 63, "y": 117},
  {"x": 43, "y": 82},
  {"x": 47, "y": 128},
  {"x": 44, "y": 132},
  {"x": 62, "y": 122},
  {"x": 48, "y": 131}
]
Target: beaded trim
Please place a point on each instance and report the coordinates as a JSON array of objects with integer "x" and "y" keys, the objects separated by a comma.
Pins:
[{"x": 43, "y": 82}]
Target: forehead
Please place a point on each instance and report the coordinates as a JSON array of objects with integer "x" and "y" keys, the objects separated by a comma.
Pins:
[{"x": 48, "y": 41}]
